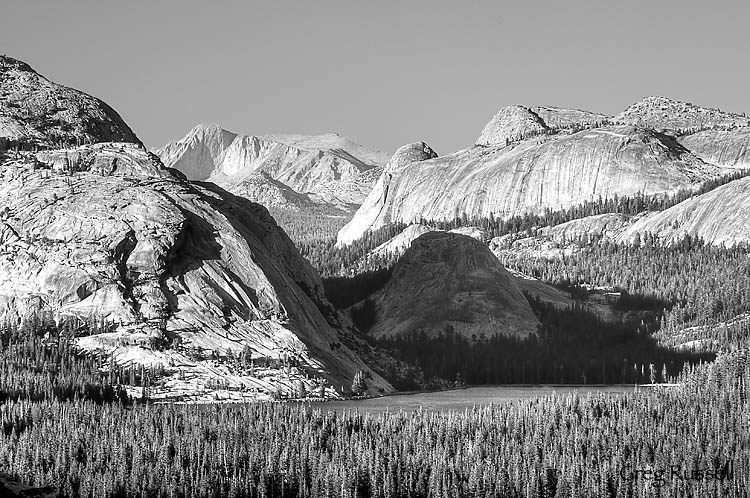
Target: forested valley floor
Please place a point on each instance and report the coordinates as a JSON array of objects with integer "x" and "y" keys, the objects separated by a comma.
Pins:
[{"x": 64, "y": 424}]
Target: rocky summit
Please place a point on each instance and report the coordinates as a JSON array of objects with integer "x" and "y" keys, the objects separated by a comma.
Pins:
[
  {"x": 677, "y": 117},
  {"x": 35, "y": 112},
  {"x": 515, "y": 123},
  {"x": 174, "y": 275},
  {"x": 330, "y": 169},
  {"x": 446, "y": 281}
]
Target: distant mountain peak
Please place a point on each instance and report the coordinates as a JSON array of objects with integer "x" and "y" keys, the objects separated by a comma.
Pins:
[{"x": 334, "y": 170}]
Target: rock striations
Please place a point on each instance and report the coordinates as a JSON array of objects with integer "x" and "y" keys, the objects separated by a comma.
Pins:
[
  {"x": 374, "y": 213},
  {"x": 728, "y": 148},
  {"x": 719, "y": 217},
  {"x": 550, "y": 172},
  {"x": 105, "y": 232},
  {"x": 447, "y": 281},
  {"x": 35, "y": 112},
  {"x": 528, "y": 160},
  {"x": 330, "y": 169}
]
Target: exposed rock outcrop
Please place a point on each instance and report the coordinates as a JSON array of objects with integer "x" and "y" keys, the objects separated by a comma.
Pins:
[
  {"x": 511, "y": 124},
  {"x": 331, "y": 169},
  {"x": 263, "y": 189},
  {"x": 106, "y": 233},
  {"x": 515, "y": 123},
  {"x": 728, "y": 148},
  {"x": 114, "y": 234},
  {"x": 373, "y": 214},
  {"x": 554, "y": 172},
  {"x": 35, "y": 112},
  {"x": 560, "y": 119},
  {"x": 661, "y": 113},
  {"x": 448, "y": 281},
  {"x": 719, "y": 217}
]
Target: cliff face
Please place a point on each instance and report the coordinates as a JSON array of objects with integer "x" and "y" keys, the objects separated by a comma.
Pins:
[
  {"x": 35, "y": 112},
  {"x": 547, "y": 171},
  {"x": 105, "y": 232},
  {"x": 329, "y": 168},
  {"x": 721, "y": 216},
  {"x": 374, "y": 211},
  {"x": 450, "y": 281}
]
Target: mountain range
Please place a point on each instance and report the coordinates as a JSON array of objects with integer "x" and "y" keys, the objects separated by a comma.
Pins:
[
  {"x": 528, "y": 160},
  {"x": 325, "y": 172},
  {"x": 172, "y": 257}
]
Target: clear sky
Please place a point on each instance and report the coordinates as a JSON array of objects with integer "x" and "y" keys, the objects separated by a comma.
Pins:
[{"x": 383, "y": 73}]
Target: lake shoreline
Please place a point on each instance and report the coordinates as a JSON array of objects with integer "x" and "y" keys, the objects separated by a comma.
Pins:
[
  {"x": 408, "y": 393},
  {"x": 460, "y": 399}
]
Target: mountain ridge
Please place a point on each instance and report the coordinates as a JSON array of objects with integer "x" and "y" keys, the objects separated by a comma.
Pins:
[
  {"x": 528, "y": 159},
  {"x": 330, "y": 168}
]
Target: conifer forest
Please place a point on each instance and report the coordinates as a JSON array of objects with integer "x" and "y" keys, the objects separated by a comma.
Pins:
[{"x": 339, "y": 249}]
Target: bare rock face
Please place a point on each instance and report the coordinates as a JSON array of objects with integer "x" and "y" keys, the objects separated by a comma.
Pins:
[
  {"x": 515, "y": 123},
  {"x": 727, "y": 148},
  {"x": 106, "y": 231},
  {"x": 329, "y": 168},
  {"x": 371, "y": 215},
  {"x": 35, "y": 112},
  {"x": 511, "y": 124},
  {"x": 560, "y": 119},
  {"x": 719, "y": 217},
  {"x": 409, "y": 153},
  {"x": 273, "y": 194},
  {"x": 550, "y": 171},
  {"x": 169, "y": 270},
  {"x": 449, "y": 281},
  {"x": 661, "y": 113}
]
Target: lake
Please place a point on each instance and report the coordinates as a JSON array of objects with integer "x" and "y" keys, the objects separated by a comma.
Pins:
[{"x": 460, "y": 399}]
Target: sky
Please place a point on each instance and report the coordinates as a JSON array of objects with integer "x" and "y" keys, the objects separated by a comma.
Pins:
[{"x": 383, "y": 73}]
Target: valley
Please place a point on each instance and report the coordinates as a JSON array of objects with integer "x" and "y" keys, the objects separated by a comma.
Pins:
[{"x": 236, "y": 314}]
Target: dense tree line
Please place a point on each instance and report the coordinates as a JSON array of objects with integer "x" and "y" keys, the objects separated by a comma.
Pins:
[
  {"x": 308, "y": 227},
  {"x": 40, "y": 364},
  {"x": 573, "y": 346},
  {"x": 332, "y": 261},
  {"x": 709, "y": 283},
  {"x": 723, "y": 336},
  {"x": 556, "y": 446}
]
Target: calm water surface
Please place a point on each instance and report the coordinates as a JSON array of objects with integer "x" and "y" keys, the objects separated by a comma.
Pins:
[{"x": 461, "y": 399}]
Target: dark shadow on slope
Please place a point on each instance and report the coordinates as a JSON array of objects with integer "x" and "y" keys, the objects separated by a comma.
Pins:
[{"x": 573, "y": 346}]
